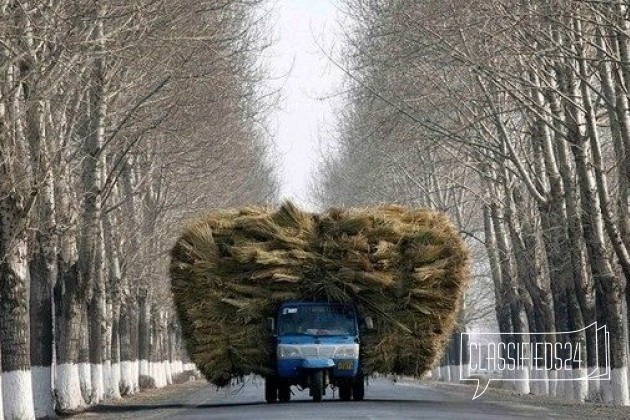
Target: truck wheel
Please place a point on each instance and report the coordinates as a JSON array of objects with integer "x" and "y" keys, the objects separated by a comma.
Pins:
[
  {"x": 317, "y": 385},
  {"x": 284, "y": 392},
  {"x": 345, "y": 391},
  {"x": 271, "y": 389},
  {"x": 358, "y": 388}
]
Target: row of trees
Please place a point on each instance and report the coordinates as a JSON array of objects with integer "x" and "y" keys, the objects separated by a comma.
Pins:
[
  {"x": 513, "y": 117},
  {"x": 118, "y": 120}
]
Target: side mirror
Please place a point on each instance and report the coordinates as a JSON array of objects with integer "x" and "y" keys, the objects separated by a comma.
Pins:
[
  {"x": 271, "y": 325},
  {"x": 369, "y": 323}
]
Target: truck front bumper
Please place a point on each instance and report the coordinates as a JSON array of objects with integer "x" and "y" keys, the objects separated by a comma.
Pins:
[{"x": 341, "y": 368}]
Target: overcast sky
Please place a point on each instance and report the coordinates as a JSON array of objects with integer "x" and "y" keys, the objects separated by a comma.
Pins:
[{"x": 303, "y": 114}]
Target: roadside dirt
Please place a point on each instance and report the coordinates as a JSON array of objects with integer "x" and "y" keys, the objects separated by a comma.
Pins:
[{"x": 564, "y": 407}]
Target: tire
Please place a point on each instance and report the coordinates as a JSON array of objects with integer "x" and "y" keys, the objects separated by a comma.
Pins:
[
  {"x": 284, "y": 392},
  {"x": 358, "y": 388},
  {"x": 345, "y": 391},
  {"x": 271, "y": 389},
  {"x": 317, "y": 385}
]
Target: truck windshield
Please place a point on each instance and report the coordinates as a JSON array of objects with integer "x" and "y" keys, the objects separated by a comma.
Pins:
[{"x": 317, "y": 320}]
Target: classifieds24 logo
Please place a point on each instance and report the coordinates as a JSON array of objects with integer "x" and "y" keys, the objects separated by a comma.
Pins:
[{"x": 504, "y": 357}]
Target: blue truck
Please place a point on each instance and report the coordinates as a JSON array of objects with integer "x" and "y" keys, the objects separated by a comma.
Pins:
[{"x": 317, "y": 344}]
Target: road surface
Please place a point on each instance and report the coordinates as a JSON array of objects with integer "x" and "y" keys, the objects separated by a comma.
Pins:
[{"x": 383, "y": 400}]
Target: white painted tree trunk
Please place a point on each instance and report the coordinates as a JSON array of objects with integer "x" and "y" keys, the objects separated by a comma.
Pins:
[
  {"x": 454, "y": 373},
  {"x": 97, "y": 381},
  {"x": 144, "y": 368},
  {"x": 17, "y": 389},
  {"x": 67, "y": 388},
  {"x": 107, "y": 379},
  {"x": 1, "y": 407},
  {"x": 129, "y": 377},
  {"x": 136, "y": 375},
  {"x": 580, "y": 386},
  {"x": 85, "y": 379},
  {"x": 534, "y": 384},
  {"x": 619, "y": 383},
  {"x": 508, "y": 376},
  {"x": 178, "y": 367},
  {"x": 17, "y": 395},
  {"x": 553, "y": 383},
  {"x": 466, "y": 370},
  {"x": 43, "y": 401},
  {"x": 544, "y": 383},
  {"x": 111, "y": 380},
  {"x": 445, "y": 374},
  {"x": 151, "y": 373},
  {"x": 606, "y": 390},
  {"x": 163, "y": 366},
  {"x": 435, "y": 374},
  {"x": 594, "y": 388},
  {"x": 160, "y": 374},
  {"x": 567, "y": 385},
  {"x": 169, "y": 372},
  {"x": 155, "y": 374},
  {"x": 113, "y": 387},
  {"x": 521, "y": 380},
  {"x": 560, "y": 384}
]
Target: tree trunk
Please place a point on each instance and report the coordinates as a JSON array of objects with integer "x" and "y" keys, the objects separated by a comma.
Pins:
[
  {"x": 90, "y": 239},
  {"x": 144, "y": 333},
  {"x": 177, "y": 349},
  {"x": 156, "y": 368},
  {"x": 15, "y": 366},
  {"x": 69, "y": 295},
  {"x": 128, "y": 349},
  {"x": 622, "y": 75},
  {"x": 510, "y": 288},
  {"x": 611, "y": 227},
  {"x": 1, "y": 404},
  {"x": 114, "y": 295},
  {"x": 502, "y": 307},
  {"x": 604, "y": 384},
  {"x": 538, "y": 307},
  {"x": 113, "y": 388},
  {"x": 42, "y": 274},
  {"x": 42, "y": 266},
  {"x": 618, "y": 108},
  {"x": 69, "y": 397},
  {"x": 129, "y": 324},
  {"x": 603, "y": 274},
  {"x": 166, "y": 350},
  {"x": 98, "y": 326},
  {"x": 567, "y": 128},
  {"x": 596, "y": 219},
  {"x": 17, "y": 390},
  {"x": 85, "y": 371}
]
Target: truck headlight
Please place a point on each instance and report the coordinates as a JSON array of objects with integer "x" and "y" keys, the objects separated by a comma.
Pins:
[
  {"x": 347, "y": 351},
  {"x": 288, "y": 352}
]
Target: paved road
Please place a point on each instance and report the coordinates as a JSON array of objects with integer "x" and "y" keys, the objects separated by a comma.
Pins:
[{"x": 383, "y": 400}]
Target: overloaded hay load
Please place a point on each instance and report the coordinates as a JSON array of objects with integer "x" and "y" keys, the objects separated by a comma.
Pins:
[{"x": 407, "y": 268}]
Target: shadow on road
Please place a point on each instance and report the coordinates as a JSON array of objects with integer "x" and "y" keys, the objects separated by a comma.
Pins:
[{"x": 113, "y": 408}]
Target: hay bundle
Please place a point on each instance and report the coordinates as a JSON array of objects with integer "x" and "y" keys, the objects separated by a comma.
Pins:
[{"x": 229, "y": 271}]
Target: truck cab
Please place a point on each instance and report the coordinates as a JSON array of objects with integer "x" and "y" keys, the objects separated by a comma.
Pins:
[{"x": 317, "y": 344}]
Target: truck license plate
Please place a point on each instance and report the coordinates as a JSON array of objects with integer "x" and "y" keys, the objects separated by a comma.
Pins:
[{"x": 344, "y": 365}]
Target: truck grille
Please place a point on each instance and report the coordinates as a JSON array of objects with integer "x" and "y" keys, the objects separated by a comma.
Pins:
[
  {"x": 310, "y": 351},
  {"x": 326, "y": 351},
  {"x": 318, "y": 351}
]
